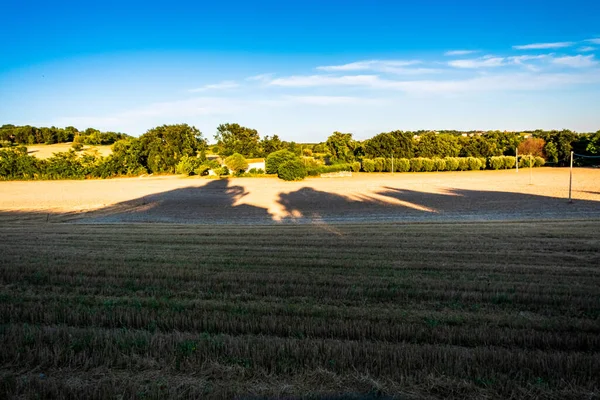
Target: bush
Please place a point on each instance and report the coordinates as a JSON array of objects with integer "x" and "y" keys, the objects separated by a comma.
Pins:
[
  {"x": 509, "y": 162},
  {"x": 416, "y": 164},
  {"x": 187, "y": 165},
  {"x": 236, "y": 163},
  {"x": 292, "y": 170},
  {"x": 277, "y": 158},
  {"x": 524, "y": 161},
  {"x": 307, "y": 152},
  {"x": 77, "y": 146},
  {"x": 539, "y": 162},
  {"x": 451, "y": 163},
  {"x": 482, "y": 162},
  {"x": 379, "y": 164},
  {"x": 428, "y": 164},
  {"x": 497, "y": 163},
  {"x": 440, "y": 164},
  {"x": 463, "y": 164},
  {"x": 368, "y": 165},
  {"x": 221, "y": 171},
  {"x": 256, "y": 171},
  {"x": 355, "y": 166},
  {"x": 473, "y": 163},
  {"x": 402, "y": 165}
]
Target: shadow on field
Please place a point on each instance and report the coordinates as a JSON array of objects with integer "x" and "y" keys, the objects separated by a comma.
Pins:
[{"x": 218, "y": 202}]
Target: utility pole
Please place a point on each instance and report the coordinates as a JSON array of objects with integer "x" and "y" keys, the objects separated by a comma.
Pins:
[{"x": 571, "y": 179}]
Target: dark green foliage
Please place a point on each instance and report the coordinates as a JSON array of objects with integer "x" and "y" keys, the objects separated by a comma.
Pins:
[
  {"x": 292, "y": 170},
  {"x": 270, "y": 145},
  {"x": 31, "y": 135},
  {"x": 188, "y": 165},
  {"x": 341, "y": 146},
  {"x": 234, "y": 138},
  {"x": 434, "y": 145},
  {"x": 236, "y": 163},
  {"x": 163, "y": 146},
  {"x": 274, "y": 160},
  {"x": 368, "y": 165},
  {"x": 15, "y": 163}
]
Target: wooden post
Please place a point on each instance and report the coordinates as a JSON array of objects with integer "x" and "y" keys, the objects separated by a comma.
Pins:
[{"x": 571, "y": 179}]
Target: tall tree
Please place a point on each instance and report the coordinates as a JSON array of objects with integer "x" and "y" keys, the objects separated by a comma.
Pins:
[{"x": 234, "y": 138}]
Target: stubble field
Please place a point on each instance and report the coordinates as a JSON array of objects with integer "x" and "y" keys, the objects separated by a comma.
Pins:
[{"x": 413, "y": 286}]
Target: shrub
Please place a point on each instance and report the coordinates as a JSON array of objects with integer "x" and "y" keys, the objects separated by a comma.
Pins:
[
  {"x": 77, "y": 146},
  {"x": 416, "y": 164},
  {"x": 440, "y": 164},
  {"x": 509, "y": 162},
  {"x": 483, "y": 162},
  {"x": 451, "y": 163},
  {"x": 307, "y": 152},
  {"x": 497, "y": 163},
  {"x": 463, "y": 164},
  {"x": 428, "y": 164},
  {"x": 524, "y": 161},
  {"x": 292, "y": 170},
  {"x": 221, "y": 171},
  {"x": 473, "y": 163},
  {"x": 355, "y": 166},
  {"x": 187, "y": 165},
  {"x": 236, "y": 163},
  {"x": 402, "y": 165},
  {"x": 368, "y": 165},
  {"x": 275, "y": 159},
  {"x": 379, "y": 164},
  {"x": 539, "y": 162}
]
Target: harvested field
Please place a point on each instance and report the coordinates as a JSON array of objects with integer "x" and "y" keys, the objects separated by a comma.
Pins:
[
  {"x": 258, "y": 288},
  {"x": 443, "y": 196},
  {"x": 44, "y": 151}
]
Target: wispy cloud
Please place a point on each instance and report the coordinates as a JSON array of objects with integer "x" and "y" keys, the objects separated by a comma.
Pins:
[
  {"x": 577, "y": 61},
  {"x": 325, "y": 80},
  {"x": 459, "y": 52},
  {"x": 369, "y": 65},
  {"x": 541, "y": 46},
  {"x": 329, "y": 100},
  {"x": 585, "y": 49},
  {"x": 260, "y": 77},
  {"x": 594, "y": 40},
  {"x": 216, "y": 86},
  {"x": 483, "y": 62}
]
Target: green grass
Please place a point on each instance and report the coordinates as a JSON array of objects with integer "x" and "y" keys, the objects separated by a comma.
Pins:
[{"x": 496, "y": 310}]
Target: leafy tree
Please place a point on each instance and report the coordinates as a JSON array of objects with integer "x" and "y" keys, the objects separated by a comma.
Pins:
[
  {"x": 532, "y": 146},
  {"x": 551, "y": 152},
  {"x": 274, "y": 160},
  {"x": 236, "y": 163},
  {"x": 341, "y": 147},
  {"x": 234, "y": 138},
  {"x": 270, "y": 145},
  {"x": 163, "y": 146},
  {"x": 478, "y": 146},
  {"x": 438, "y": 145},
  {"x": 396, "y": 143}
]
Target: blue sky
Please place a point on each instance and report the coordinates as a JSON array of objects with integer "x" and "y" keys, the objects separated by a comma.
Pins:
[{"x": 302, "y": 69}]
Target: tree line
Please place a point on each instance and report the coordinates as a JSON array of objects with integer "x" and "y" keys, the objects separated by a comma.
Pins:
[{"x": 182, "y": 149}]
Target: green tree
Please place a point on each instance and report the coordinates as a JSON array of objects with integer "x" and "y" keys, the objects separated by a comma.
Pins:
[
  {"x": 234, "y": 138},
  {"x": 270, "y": 145},
  {"x": 163, "y": 146},
  {"x": 236, "y": 163},
  {"x": 275, "y": 159},
  {"x": 432, "y": 145},
  {"x": 341, "y": 147}
]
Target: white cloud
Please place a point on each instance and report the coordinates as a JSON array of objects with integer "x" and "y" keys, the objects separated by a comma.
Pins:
[
  {"x": 595, "y": 40},
  {"x": 459, "y": 52},
  {"x": 216, "y": 86},
  {"x": 260, "y": 77},
  {"x": 585, "y": 49},
  {"x": 539, "y": 46},
  {"x": 369, "y": 65},
  {"x": 329, "y": 100},
  {"x": 483, "y": 62},
  {"x": 325, "y": 80},
  {"x": 577, "y": 61}
]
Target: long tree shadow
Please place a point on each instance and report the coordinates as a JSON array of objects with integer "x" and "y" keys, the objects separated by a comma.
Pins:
[
  {"x": 394, "y": 204},
  {"x": 218, "y": 202}
]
